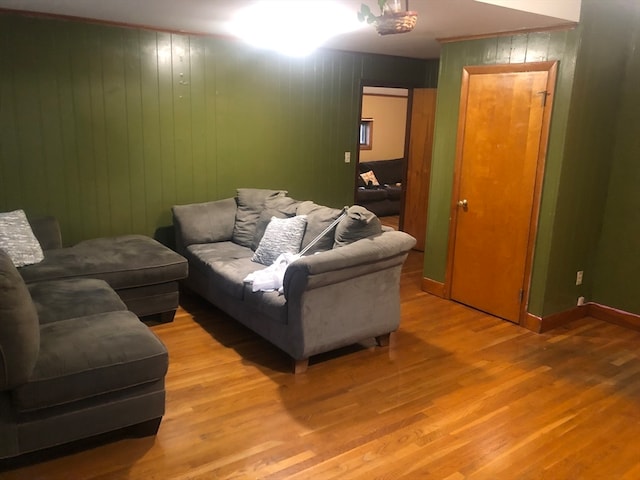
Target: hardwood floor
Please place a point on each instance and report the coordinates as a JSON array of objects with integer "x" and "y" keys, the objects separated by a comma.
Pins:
[{"x": 458, "y": 394}]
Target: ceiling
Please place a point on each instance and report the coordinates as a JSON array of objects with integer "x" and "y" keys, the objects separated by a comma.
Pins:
[{"x": 437, "y": 19}]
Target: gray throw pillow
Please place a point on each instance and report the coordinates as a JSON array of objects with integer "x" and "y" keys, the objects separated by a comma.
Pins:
[
  {"x": 281, "y": 207},
  {"x": 18, "y": 240},
  {"x": 318, "y": 218},
  {"x": 359, "y": 223},
  {"x": 250, "y": 204},
  {"x": 282, "y": 235}
]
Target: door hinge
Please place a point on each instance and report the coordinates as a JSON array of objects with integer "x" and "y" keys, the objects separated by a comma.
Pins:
[
  {"x": 544, "y": 94},
  {"x": 521, "y": 294}
]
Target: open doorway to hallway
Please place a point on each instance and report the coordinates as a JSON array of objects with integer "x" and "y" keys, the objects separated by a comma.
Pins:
[{"x": 381, "y": 168}]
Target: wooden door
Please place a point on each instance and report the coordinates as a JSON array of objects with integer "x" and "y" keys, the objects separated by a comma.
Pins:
[
  {"x": 423, "y": 113},
  {"x": 502, "y": 137}
]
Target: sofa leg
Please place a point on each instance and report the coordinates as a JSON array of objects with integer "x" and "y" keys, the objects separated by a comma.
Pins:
[
  {"x": 300, "y": 366},
  {"x": 167, "y": 317},
  {"x": 383, "y": 340},
  {"x": 145, "y": 429}
]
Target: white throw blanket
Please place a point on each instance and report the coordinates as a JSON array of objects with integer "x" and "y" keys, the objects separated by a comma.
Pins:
[{"x": 271, "y": 278}]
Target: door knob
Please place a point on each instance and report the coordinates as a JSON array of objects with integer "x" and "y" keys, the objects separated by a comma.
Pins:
[{"x": 463, "y": 203}]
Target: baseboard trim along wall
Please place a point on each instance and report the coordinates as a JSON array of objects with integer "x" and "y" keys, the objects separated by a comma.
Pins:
[
  {"x": 433, "y": 287},
  {"x": 544, "y": 324},
  {"x": 595, "y": 310}
]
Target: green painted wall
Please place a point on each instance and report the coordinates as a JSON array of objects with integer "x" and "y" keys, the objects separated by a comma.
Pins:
[
  {"x": 586, "y": 165},
  {"x": 617, "y": 265},
  {"x": 561, "y": 46},
  {"x": 590, "y": 209},
  {"x": 107, "y": 127}
]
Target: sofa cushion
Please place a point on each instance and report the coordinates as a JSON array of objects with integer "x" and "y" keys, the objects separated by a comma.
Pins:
[
  {"x": 394, "y": 192},
  {"x": 73, "y": 297},
  {"x": 271, "y": 304},
  {"x": 90, "y": 356},
  {"x": 318, "y": 218},
  {"x": 19, "y": 328},
  {"x": 123, "y": 262},
  {"x": 359, "y": 223},
  {"x": 251, "y": 203},
  {"x": 18, "y": 240},
  {"x": 283, "y": 235},
  {"x": 226, "y": 264},
  {"x": 205, "y": 222},
  {"x": 371, "y": 194}
]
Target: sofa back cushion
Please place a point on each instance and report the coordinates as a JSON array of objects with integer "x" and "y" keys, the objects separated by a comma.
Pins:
[
  {"x": 204, "y": 222},
  {"x": 318, "y": 218},
  {"x": 250, "y": 203},
  {"x": 359, "y": 223},
  {"x": 19, "y": 327}
]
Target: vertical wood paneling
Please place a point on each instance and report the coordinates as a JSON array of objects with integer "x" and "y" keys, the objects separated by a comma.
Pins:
[
  {"x": 86, "y": 201},
  {"x": 135, "y": 137},
  {"x": 116, "y": 131},
  {"x": 9, "y": 153},
  {"x": 167, "y": 139},
  {"x": 183, "y": 169},
  {"x": 107, "y": 127},
  {"x": 150, "y": 58},
  {"x": 198, "y": 138}
]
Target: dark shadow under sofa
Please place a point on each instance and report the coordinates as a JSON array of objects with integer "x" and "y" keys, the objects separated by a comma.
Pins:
[
  {"x": 384, "y": 199},
  {"x": 345, "y": 290}
]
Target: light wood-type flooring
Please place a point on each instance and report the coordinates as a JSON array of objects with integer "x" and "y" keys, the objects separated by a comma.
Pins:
[{"x": 458, "y": 394}]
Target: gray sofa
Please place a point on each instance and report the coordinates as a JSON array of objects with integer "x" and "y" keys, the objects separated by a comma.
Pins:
[
  {"x": 143, "y": 272},
  {"x": 74, "y": 363},
  {"x": 345, "y": 290}
]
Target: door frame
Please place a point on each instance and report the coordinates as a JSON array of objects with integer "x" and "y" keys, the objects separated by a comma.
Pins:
[
  {"x": 552, "y": 68},
  {"x": 409, "y": 87}
]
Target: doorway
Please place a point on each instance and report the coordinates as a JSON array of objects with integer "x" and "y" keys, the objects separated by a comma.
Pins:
[
  {"x": 502, "y": 140},
  {"x": 381, "y": 165}
]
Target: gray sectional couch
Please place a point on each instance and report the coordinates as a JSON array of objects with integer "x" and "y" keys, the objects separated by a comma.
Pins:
[
  {"x": 143, "y": 272},
  {"x": 344, "y": 290},
  {"x": 74, "y": 363}
]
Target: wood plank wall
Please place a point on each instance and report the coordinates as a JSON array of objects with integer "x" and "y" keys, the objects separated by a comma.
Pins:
[{"x": 106, "y": 127}]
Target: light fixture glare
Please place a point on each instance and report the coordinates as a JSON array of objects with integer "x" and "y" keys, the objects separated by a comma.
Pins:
[{"x": 294, "y": 28}]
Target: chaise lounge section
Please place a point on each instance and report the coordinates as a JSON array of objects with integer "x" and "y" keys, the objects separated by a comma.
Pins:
[
  {"x": 74, "y": 363},
  {"x": 142, "y": 271}
]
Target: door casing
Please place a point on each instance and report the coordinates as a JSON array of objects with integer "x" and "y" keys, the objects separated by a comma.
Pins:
[{"x": 551, "y": 68}]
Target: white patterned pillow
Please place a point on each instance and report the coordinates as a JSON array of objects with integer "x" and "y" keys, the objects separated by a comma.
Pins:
[
  {"x": 282, "y": 235},
  {"x": 18, "y": 240}
]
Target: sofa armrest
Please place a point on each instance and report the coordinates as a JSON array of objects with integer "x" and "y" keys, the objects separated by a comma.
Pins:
[
  {"x": 204, "y": 222},
  {"x": 342, "y": 263},
  {"x": 47, "y": 231}
]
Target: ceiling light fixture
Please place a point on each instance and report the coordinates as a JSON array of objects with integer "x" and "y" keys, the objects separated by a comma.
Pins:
[
  {"x": 393, "y": 17},
  {"x": 292, "y": 27}
]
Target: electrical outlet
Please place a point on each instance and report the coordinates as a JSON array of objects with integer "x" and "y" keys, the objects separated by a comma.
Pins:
[
  {"x": 580, "y": 301},
  {"x": 579, "y": 277},
  {"x": 347, "y": 157}
]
